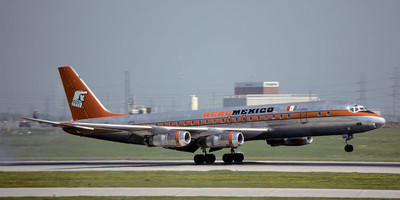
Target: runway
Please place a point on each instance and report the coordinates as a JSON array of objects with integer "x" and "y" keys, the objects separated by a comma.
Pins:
[
  {"x": 272, "y": 166},
  {"x": 195, "y": 192}
]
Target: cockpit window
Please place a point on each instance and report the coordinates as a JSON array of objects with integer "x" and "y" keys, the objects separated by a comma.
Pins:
[{"x": 356, "y": 108}]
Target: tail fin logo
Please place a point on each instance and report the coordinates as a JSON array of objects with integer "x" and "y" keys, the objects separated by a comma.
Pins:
[{"x": 79, "y": 98}]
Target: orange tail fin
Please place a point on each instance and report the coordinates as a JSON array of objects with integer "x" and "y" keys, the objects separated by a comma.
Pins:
[{"x": 82, "y": 102}]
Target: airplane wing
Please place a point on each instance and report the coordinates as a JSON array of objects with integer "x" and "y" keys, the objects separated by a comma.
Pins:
[
  {"x": 145, "y": 130},
  {"x": 196, "y": 132},
  {"x": 57, "y": 124}
]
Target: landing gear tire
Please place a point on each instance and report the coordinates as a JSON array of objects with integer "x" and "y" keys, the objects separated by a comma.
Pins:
[
  {"x": 238, "y": 157},
  {"x": 209, "y": 158},
  {"x": 227, "y": 158},
  {"x": 232, "y": 157},
  {"x": 348, "y": 148},
  {"x": 199, "y": 159}
]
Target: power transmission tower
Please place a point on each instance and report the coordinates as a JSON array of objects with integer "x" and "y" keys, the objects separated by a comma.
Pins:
[
  {"x": 396, "y": 86},
  {"x": 213, "y": 100},
  {"x": 47, "y": 106},
  {"x": 128, "y": 97},
  {"x": 108, "y": 100},
  {"x": 363, "y": 99}
]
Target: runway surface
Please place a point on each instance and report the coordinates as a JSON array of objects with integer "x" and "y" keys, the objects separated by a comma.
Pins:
[
  {"x": 190, "y": 192},
  {"x": 277, "y": 166}
]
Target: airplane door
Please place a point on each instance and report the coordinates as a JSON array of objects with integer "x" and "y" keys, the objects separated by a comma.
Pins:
[{"x": 303, "y": 116}]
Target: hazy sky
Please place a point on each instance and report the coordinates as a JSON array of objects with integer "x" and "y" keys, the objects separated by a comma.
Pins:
[{"x": 177, "y": 48}]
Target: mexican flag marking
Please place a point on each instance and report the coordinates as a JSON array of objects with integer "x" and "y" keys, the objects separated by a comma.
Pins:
[{"x": 291, "y": 108}]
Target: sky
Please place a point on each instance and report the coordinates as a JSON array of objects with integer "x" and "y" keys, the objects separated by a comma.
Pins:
[{"x": 177, "y": 48}]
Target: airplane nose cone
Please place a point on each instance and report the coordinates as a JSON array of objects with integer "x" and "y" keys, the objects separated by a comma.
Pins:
[{"x": 379, "y": 122}]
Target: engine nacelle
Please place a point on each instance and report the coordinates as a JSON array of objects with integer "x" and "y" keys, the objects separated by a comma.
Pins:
[
  {"x": 290, "y": 141},
  {"x": 170, "y": 139},
  {"x": 225, "y": 139}
]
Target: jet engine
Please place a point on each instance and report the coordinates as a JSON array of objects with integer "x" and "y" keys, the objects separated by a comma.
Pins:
[
  {"x": 290, "y": 141},
  {"x": 170, "y": 139},
  {"x": 225, "y": 139}
]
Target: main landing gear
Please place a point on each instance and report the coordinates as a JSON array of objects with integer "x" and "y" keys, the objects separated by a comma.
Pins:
[
  {"x": 348, "y": 147},
  {"x": 232, "y": 157},
  {"x": 204, "y": 158},
  {"x": 210, "y": 158}
]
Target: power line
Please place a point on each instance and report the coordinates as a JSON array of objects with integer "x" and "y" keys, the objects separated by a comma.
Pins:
[
  {"x": 363, "y": 99},
  {"x": 396, "y": 85},
  {"x": 128, "y": 98}
]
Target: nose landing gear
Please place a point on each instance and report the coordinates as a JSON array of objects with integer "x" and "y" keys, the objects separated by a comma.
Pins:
[{"x": 348, "y": 147}]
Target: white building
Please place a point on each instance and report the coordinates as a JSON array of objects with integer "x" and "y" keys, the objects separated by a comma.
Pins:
[
  {"x": 258, "y": 93},
  {"x": 259, "y": 99}
]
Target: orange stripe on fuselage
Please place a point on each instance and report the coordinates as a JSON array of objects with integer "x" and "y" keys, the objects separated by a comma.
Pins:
[{"x": 269, "y": 116}]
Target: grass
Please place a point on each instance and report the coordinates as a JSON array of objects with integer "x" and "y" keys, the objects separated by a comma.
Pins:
[
  {"x": 200, "y": 179},
  {"x": 173, "y": 198},
  {"x": 53, "y": 144}
]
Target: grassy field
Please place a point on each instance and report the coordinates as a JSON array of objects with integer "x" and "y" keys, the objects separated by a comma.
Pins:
[
  {"x": 379, "y": 145},
  {"x": 200, "y": 179},
  {"x": 173, "y": 198}
]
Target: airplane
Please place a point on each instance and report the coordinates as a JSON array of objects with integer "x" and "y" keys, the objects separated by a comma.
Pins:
[{"x": 288, "y": 124}]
